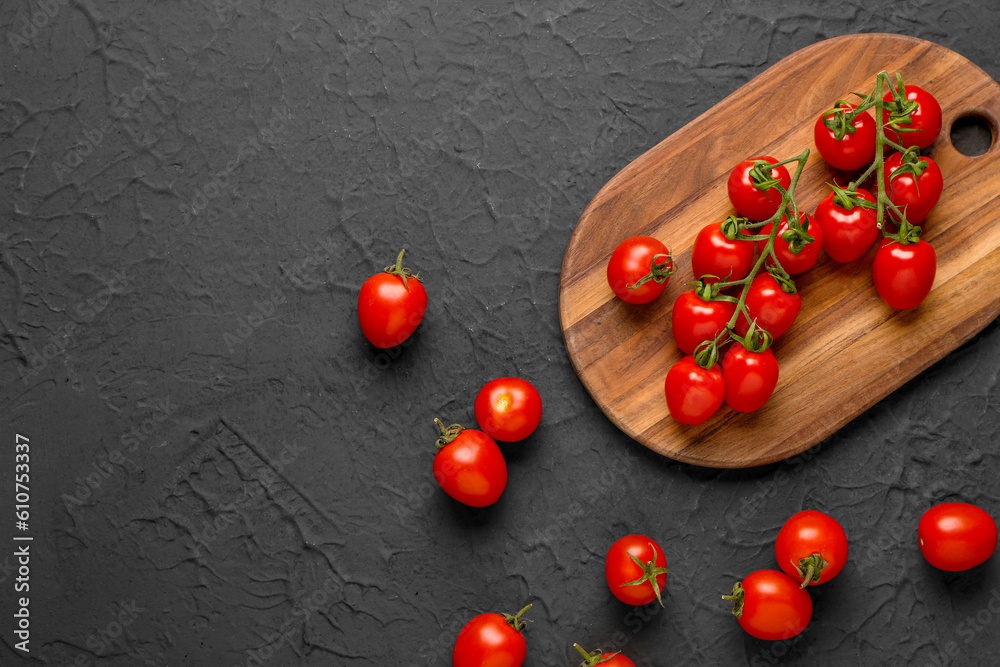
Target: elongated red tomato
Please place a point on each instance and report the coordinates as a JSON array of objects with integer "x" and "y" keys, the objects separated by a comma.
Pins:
[
  {"x": 508, "y": 409},
  {"x": 748, "y": 200},
  {"x": 469, "y": 466},
  {"x": 491, "y": 640},
  {"x": 694, "y": 393},
  {"x": 636, "y": 570},
  {"x": 713, "y": 254},
  {"x": 856, "y": 147},
  {"x": 916, "y": 195},
  {"x": 771, "y": 605},
  {"x": 391, "y": 305},
  {"x": 847, "y": 233},
  {"x": 632, "y": 261},
  {"x": 750, "y": 377},
  {"x": 774, "y": 309},
  {"x": 957, "y": 536},
  {"x": 598, "y": 657},
  {"x": 925, "y": 121},
  {"x": 695, "y": 320},
  {"x": 811, "y": 547},
  {"x": 904, "y": 274},
  {"x": 795, "y": 263}
]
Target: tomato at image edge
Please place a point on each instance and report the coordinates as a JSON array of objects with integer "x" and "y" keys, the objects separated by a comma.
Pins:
[
  {"x": 471, "y": 468},
  {"x": 620, "y": 569},
  {"x": 391, "y": 306},
  {"x": 811, "y": 532},
  {"x": 508, "y": 409},
  {"x": 631, "y": 261},
  {"x": 491, "y": 640},
  {"x": 957, "y": 536}
]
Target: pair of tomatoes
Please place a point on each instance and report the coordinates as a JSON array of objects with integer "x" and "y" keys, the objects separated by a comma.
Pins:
[{"x": 469, "y": 465}]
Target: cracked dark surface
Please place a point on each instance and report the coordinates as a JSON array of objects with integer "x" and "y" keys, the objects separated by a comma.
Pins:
[{"x": 191, "y": 195}]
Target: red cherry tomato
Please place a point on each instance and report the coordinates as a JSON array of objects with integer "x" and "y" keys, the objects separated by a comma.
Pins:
[
  {"x": 904, "y": 274},
  {"x": 631, "y": 261},
  {"x": 811, "y": 545},
  {"x": 693, "y": 393},
  {"x": 926, "y": 119},
  {"x": 750, "y": 377},
  {"x": 491, "y": 640},
  {"x": 772, "y": 307},
  {"x": 632, "y": 582},
  {"x": 852, "y": 151},
  {"x": 603, "y": 659},
  {"x": 713, "y": 254},
  {"x": 916, "y": 196},
  {"x": 771, "y": 605},
  {"x": 695, "y": 320},
  {"x": 847, "y": 234},
  {"x": 470, "y": 467},
  {"x": 747, "y": 199},
  {"x": 391, "y": 305},
  {"x": 508, "y": 409},
  {"x": 957, "y": 536},
  {"x": 791, "y": 262}
]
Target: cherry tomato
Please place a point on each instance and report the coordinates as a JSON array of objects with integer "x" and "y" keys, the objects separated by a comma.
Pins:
[
  {"x": 508, "y": 409},
  {"x": 695, "y": 320},
  {"x": 630, "y": 581},
  {"x": 925, "y": 119},
  {"x": 469, "y": 466},
  {"x": 916, "y": 196},
  {"x": 750, "y": 377},
  {"x": 904, "y": 274},
  {"x": 771, "y": 605},
  {"x": 772, "y": 307},
  {"x": 847, "y": 234},
  {"x": 604, "y": 659},
  {"x": 807, "y": 258},
  {"x": 714, "y": 254},
  {"x": 693, "y": 393},
  {"x": 491, "y": 640},
  {"x": 631, "y": 261},
  {"x": 747, "y": 199},
  {"x": 391, "y": 305},
  {"x": 957, "y": 536},
  {"x": 811, "y": 547},
  {"x": 852, "y": 151}
]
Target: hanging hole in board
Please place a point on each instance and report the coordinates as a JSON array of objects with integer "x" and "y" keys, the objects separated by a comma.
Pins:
[{"x": 973, "y": 134}]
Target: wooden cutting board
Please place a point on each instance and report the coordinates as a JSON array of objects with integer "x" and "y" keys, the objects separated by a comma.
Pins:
[{"x": 847, "y": 350}]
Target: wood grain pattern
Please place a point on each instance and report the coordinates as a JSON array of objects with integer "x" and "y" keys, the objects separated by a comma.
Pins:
[{"x": 847, "y": 350}]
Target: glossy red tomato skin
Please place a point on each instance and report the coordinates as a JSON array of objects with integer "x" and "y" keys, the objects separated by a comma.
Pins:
[
  {"x": 747, "y": 199},
  {"x": 630, "y": 261},
  {"x": 695, "y": 320},
  {"x": 805, "y": 260},
  {"x": 471, "y": 469},
  {"x": 957, "y": 536},
  {"x": 488, "y": 640},
  {"x": 750, "y": 377},
  {"x": 810, "y": 532},
  {"x": 387, "y": 311},
  {"x": 917, "y": 196},
  {"x": 847, "y": 234},
  {"x": 774, "y": 309},
  {"x": 774, "y": 607},
  {"x": 926, "y": 119},
  {"x": 616, "y": 660},
  {"x": 694, "y": 393},
  {"x": 620, "y": 569},
  {"x": 508, "y": 409},
  {"x": 713, "y": 254},
  {"x": 904, "y": 274},
  {"x": 854, "y": 150}
]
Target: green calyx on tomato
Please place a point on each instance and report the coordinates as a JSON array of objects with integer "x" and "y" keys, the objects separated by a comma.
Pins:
[
  {"x": 660, "y": 269},
  {"x": 810, "y": 569},
  {"x": 737, "y": 597},
  {"x": 448, "y": 433},
  {"x": 398, "y": 269},
  {"x": 515, "y": 621},
  {"x": 910, "y": 163},
  {"x": 595, "y": 658},
  {"x": 847, "y": 198},
  {"x": 762, "y": 177},
  {"x": 840, "y": 119},
  {"x": 907, "y": 234},
  {"x": 650, "y": 571}
]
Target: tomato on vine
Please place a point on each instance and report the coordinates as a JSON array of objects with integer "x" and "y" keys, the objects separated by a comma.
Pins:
[
  {"x": 695, "y": 319},
  {"x": 811, "y": 547},
  {"x": 636, "y": 570},
  {"x": 914, "y": 183},
  {"x": 598, "y": 657},
  {"x": 849, "y": 228},
  {"x": 773, "y": 302},
  {"x": 957, "y": 536},
  {"x": 391, "y": 305},
  {"x": 771, "y": 605},
  {"x": 694, "y": 393},
  {"x": 753, "y": 189},
  {"x": 491, "y": 640},
  {"x": 845, "y": 143},
  {"x": 925, "y": 117},
  {"x": 639, "y": 269},
  {"x": 715, "y": 254},
  {"x": 750, "y": 377},
  {"x": 508, "y": 409},
  {"x": 469, "y": 465},
  {"x": 808, "y": 242},
  {"x": 903, "y": 270}
]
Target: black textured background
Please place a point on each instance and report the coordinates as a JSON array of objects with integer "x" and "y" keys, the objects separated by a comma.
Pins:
[{"x": 224, "y": 472}]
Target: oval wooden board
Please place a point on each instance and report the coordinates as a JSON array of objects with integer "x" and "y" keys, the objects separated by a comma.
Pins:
[{"x": 847, "y": 350}]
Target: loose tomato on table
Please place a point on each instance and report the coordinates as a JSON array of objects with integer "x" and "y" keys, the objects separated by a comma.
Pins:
[
  {"x": 914, "y": 183},
  {"x": 598, "y": 657},
  {"x": 636, "y": 570},
  {"x": 925, "y": 119},
  {"x": 773, "y": 303},
  {"x": 491, "y": 640},
  {"x": 843, "y": 144},
  {"x": 391, "y": 305},
  {"x": 792, "y": 262},
  {"x": 750, "y": 377},
  {"x": 508, "y": 409},
  {"x": 639, "y": 269},
  {"x": 849, "y": 229},
  {"x": 957, "y": 536},
  {"x": 811, "y": 547},
  {"x": 904, "y": 273},
  {"x": 693, "y": 393},
  {"x": 695, "y": 319},
  {"x": 751, "y": 201},
  {"x": 771, "y": 605},
  {"x": 469, "y": 465},
  {"x": 714, "y": 254}
]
